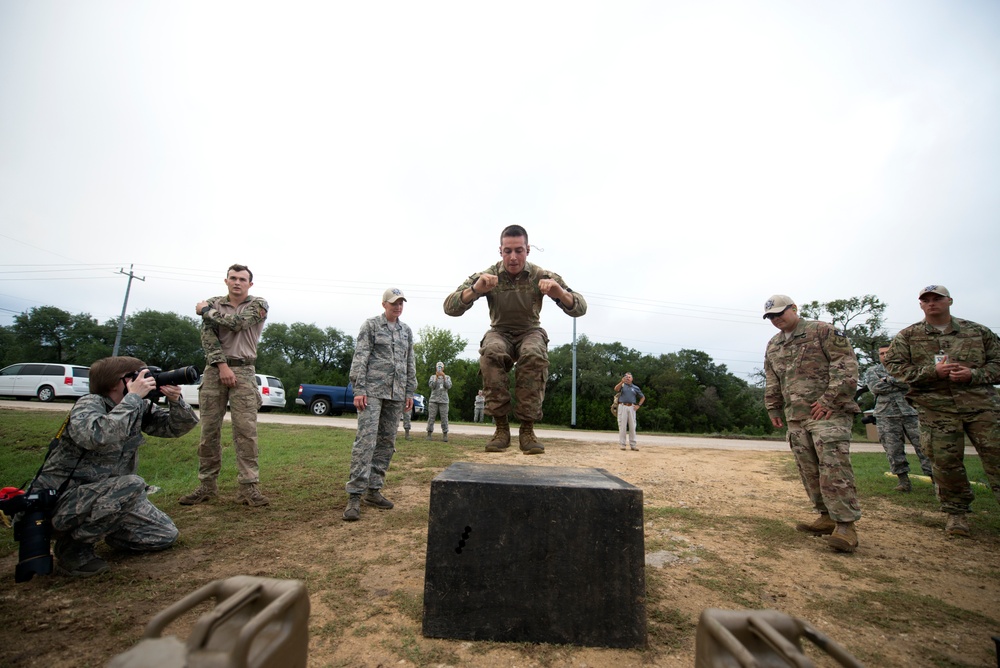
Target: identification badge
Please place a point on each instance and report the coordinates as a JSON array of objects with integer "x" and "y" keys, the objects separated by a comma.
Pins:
[{"x": 940, "y": 359}]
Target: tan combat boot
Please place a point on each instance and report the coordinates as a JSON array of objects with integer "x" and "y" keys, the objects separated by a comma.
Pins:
[
  {"x": 821, "y": 526},
  {"x": 249, "y": 495},
  {"x": 501, "y": 437},
  {"x": 526, "y": 437},
  {"x": 957, "y": 525},
  {"x": 208, "y": 489},
  {"x": 844, "y": 538},
  {"x": 904, "y": 483}
]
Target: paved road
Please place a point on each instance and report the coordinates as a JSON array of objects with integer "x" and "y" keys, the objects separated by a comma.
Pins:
[{"x": 600, "y": 437}]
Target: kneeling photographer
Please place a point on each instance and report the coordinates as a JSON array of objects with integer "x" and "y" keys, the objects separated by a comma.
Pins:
[{"x": 97, "y": 459}]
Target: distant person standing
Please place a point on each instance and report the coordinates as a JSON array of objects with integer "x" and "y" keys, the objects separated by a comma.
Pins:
[
  {"x": 812, "y": 373},
  {"x": 894, "y": 419},
  {"x": 230, "y": 329},
  {"x": 384, "y": 376},
  {"x": 951, "y": 366},
  {"x": 515, "y": 290},
  {"x": 630, "y": 398},
  {"x": 480, "y": 403},
  {"x": 439, "y": 383}
]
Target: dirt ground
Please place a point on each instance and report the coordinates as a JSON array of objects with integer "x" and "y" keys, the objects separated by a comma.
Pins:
[{"x": 718, "y": 534}]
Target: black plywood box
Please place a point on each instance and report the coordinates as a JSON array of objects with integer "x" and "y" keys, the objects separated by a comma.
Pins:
[{"x": 535, "y": 554}]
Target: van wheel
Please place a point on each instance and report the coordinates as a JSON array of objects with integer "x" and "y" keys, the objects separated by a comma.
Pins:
[
  {"x": 46, "y": 393},
  {"x": 320, "y": 407}
]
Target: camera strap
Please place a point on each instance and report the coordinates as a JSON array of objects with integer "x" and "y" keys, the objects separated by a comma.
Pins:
[{"x": 52, "y": 446}]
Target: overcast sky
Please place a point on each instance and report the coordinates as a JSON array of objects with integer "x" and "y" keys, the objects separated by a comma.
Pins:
[{"x": 675, "y": 162}]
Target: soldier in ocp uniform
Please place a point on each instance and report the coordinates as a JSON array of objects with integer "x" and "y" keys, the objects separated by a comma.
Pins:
[
  {"x": 514, "y": 290},
  {"x": 95, "y": 464},
  {"x": 894, "y": 419},
  {"x": 812, "y": 373},
  {"x": 951, "y": 366},
  {"x": 384, "y": 375}
]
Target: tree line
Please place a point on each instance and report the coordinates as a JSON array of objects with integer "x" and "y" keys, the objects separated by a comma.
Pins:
[{"x": 686, "y": 391}]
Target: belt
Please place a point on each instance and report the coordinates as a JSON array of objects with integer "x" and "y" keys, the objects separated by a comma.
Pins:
[
  {"x": 626, "y": 404},
  {"x": 239, "y": 361}
]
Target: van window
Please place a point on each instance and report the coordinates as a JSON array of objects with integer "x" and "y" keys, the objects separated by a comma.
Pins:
[
  {"x": 54, "y": 370},
  {"x": 13, "y": 370},
  {"x": 274, "y": 382},
  {"x": 33, "y": 370},
  {"x": 81, "y": 372}
]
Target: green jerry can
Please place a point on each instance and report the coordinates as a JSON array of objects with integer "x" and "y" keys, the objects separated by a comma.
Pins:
[
  {"x": 256, "y": 623},
  {"x": 759, "y": 639}
]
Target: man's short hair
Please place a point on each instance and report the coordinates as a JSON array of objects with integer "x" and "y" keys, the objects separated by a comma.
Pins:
[
  {"x": 107, "y": 372},
  {"x": 513, "y": 231},
  {"x": 240, "y": 267}
]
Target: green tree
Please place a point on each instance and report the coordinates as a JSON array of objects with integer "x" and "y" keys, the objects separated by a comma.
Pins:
[
  {"x": 435, "y": 345},
  {"x": 166, "y": 340},
  {"x": 861, "y": 318},
  {"x": 50, "y": 334}
]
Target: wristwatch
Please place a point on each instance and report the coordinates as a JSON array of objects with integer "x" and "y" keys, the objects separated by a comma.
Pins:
[{"x": 204, "y": 310}]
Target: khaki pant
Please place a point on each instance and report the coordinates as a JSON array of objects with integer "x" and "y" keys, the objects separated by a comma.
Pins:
[
  {"x": 498, "y": 352},
  {"x": 244, "y": 401}
]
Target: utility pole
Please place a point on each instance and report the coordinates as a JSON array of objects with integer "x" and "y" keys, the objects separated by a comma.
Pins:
[
  {"x": 121, "y": 321},
  {"x": 572, "y": 417}
]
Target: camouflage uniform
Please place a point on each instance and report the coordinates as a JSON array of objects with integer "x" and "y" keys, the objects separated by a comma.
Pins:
[
  {"x": 515, "y": 335},
  {"x": 229, "y": 334},
  {"x": 948, "y": 411},
  {"x": 98, "y": 453},
  {"x": 895, "y": 418},
  {"x": 817, "y": 363},
  {"x": 384, "y": 371},
  {"x": 480, "y": 404},
  {"x": 438, "y": 402}
]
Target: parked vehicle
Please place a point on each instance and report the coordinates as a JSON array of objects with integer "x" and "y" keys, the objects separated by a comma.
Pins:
[
  {"x": 272, "y": 392},
  {"x": 45, "y": 381},
  {"x": 336, "y": 400}
]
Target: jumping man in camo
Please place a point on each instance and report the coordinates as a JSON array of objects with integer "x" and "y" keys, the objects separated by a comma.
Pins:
[
  {"x": 951, "y": 366},
  {"x": 514, "y": 289},
  {"x": 96, "y": 459},
  {"x": 230, "y": 328},
  {"x": 384, "y": 375},
  {"x": 812, "y": 374}
]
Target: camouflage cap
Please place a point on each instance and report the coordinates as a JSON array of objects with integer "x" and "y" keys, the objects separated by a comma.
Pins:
[
  {"x": 777, "y": 304},
  {"x": 393, "y": 295},
  {"x": 936, "y": 289}
]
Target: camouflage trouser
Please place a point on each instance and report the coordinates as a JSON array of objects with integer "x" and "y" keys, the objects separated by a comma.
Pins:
[
  {"x": 822, "y": 450},
  {"x": 943, "y": 438},
  {"x": 498, "y": 351},
  {"x": 477, "y": 413},
  {"x": 890, "y": 433},
  {"x": 374, "y": 445},
  {"x": 406, "y": 419},
  {"x": 117, "y": 510},
  {"x": 244, "y": 400},
  {"x": 433, "y": 408}
]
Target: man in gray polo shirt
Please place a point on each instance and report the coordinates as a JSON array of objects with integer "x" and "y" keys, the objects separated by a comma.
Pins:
[{"x": 629, "y": 400}]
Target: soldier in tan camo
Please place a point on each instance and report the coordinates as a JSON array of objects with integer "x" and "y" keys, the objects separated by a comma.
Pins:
[
  {"x": 514, "y": 289},
  {"x": 96, "y": 459},
  {"x": 812, "y": 374},
  {"x": 384, "y": 375},
  {"x": 951, "y": 366},
  {"x": 230, "y": 329}
]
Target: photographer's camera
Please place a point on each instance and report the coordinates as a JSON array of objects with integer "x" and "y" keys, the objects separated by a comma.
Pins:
[{"x": 32, "y": 529}]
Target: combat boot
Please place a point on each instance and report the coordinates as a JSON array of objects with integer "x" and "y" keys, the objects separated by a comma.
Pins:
[
  {"x": 208, "y": 489},
  {"x": 957, "y": 525},
  {"x": 501, "y": 437},
  {"x": 904, "y": 483},
  {"x": 77, "y": 559},
  {"x": 406, "y": 434},
  {"x": 445, "y": 436},
  {"x": 373, "y": 497},
  {"x": 428, "y": 436},
  {"x": 844, "y": 538},
  {"x": 249, "y": 495},
  {"x": 526, "y": 437},
  {"x": 821, "y": 526},
  {"x": 353, "y": 511}
]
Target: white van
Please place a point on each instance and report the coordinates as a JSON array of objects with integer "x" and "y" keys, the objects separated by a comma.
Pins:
[
  {"x": 272, "y": 392},
  {"x": 45, "y": 381}
]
